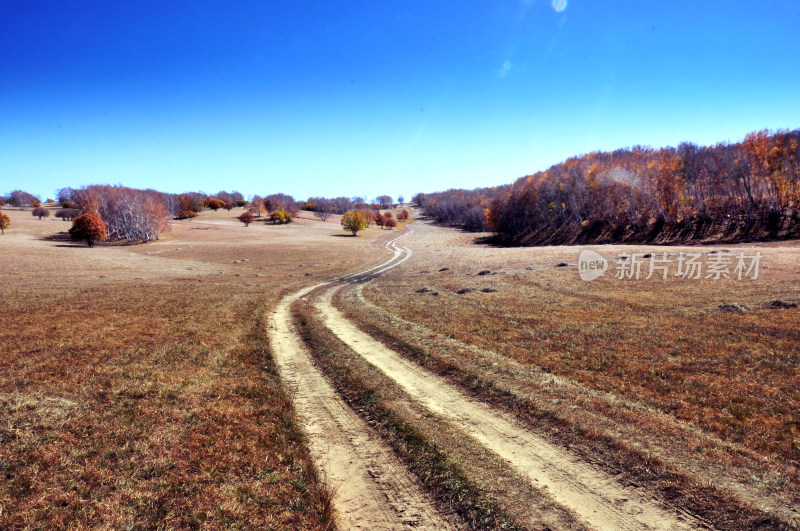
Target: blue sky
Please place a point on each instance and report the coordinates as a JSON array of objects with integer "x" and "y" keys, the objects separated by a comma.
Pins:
[{"x": 365, "y": 98}]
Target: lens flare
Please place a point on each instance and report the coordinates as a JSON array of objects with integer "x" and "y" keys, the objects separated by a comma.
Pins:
[{"x": 559, "y": 5}]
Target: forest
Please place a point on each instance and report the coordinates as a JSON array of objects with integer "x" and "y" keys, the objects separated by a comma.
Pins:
[{"x": 748, "y": 190}]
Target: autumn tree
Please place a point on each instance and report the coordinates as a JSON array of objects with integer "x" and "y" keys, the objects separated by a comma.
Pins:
[
  {"x": 354, "y": 221},
  {"x": 280, "y": 216},
  {"x": 390, "y": 223},
  {"x": 246, "y": 218},
  {"x": 213, "y": 203},
  {"x": 129, "y": 213},
  {"x": 385, "y": 201},
  {"x": 89, "y": 227},
  {"x": 323, "y": 208},
  {"x": 40, "y": 212},
  {"x": 5, "y": 221},
  {"x": 67, "y": 214},
  {"x": 22, "y": 200},
  {"x": 186, "y": 208}
]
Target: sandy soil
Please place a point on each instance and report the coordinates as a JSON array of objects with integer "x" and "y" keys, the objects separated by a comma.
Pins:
[{"x": 373, "y": 489}]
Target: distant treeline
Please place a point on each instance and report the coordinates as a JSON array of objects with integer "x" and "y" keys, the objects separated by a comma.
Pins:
[
  {"x": 726, "y": 192},
  {"x": 139, "y": 215}
]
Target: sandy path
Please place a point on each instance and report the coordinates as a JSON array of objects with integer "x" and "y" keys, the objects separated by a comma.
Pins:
[
  {"x": 374, "y": 490},
  {"x": 595, "y": 497}
]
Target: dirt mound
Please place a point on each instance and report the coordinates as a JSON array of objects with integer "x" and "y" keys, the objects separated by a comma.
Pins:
[
  {"x": 779, "y": 305},
  {"x": 732, "y": 308}
]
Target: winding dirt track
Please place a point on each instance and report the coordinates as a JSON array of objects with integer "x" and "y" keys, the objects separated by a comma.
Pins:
[
  {"x": 373, "y": 489},
  {"x": 595, "y": 497}
]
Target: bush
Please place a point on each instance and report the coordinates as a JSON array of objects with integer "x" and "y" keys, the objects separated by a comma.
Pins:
[
  {"x": 40, "y": 212},
  {"x": 354, "y": 221},
  {"x": 5, "y": 221},
  {"x": 246, "y": 218},
  {"x": 67, "y": 214},
  {"x": 213, "y": 203},
  {"x": 390, "y": 222},
  {"x": 89, "y": 227},
  {"x": 280, "y": 216}
]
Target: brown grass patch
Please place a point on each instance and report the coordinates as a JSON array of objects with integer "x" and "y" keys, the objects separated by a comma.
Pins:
[{"x": 136, "y": 385}]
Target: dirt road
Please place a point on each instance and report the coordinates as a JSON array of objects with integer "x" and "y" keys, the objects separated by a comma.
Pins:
[
  {"x": 373, "y": 489},
  {"x": 596, "y": 498}
]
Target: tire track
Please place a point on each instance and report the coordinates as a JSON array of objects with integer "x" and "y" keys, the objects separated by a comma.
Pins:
[{"x": 373, "y": 489}]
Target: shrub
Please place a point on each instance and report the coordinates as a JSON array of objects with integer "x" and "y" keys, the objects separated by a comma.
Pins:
[
  {"x": 354, "y": 221},
  {"x": 246, "y": 218},
  {"x": 390, "y": 222},
  {"x": 280, "y": 216},
  {"x": 89, "y": 227},
  {"x": 241, "y": 203},
  {"x": 40, "y": 212},
  {"x": 67, "y": 214},
  {"x": 213, "y": 203},
  {"x": 5, "y": 221}
]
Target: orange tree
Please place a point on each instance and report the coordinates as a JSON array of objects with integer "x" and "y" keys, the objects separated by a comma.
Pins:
[
  {"x": 89, "y": 227},
  {"x": 5, "y": 221}
]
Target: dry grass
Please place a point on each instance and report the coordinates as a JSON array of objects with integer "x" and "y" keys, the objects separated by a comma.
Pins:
[
  {"x": 643, "y": 363},
  {"x": 136, "y": 385}
]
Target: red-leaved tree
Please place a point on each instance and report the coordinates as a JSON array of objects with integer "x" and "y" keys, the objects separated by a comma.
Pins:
[
  {"x": 246, "y": 218},
  {"x": 89, "y": 227}
]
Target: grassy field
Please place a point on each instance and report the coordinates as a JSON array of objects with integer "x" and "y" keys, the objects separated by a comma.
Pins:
[
  {"x": 137, "y": 388},
  {"x": 136, "y": 384},
  {"x": 649, "y": 365}
]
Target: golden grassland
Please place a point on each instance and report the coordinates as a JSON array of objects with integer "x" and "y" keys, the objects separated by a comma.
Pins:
[
  {"x": 647, "y": 364},
  {"x": 136, "y": 385}
]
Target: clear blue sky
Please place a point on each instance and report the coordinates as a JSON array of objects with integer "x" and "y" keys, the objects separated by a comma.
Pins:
[{"x": 371, "y": 97}]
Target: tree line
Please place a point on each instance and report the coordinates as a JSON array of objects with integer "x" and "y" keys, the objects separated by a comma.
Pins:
[
  {"x": 101, "y": 212},
  {"x": 724, "y": 192}
]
